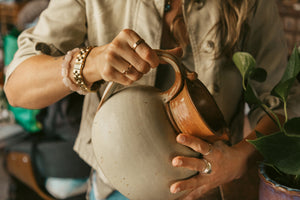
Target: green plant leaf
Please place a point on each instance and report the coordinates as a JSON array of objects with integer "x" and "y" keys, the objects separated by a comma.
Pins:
[
  {"x": 250, "y": 96},
  {"x": 292, "y": 127},
  {"x": 258, "y": 74},
  {"x": 245, "y": 64},
  {"x": 282, "y": 89},
  {"x": 280, "y": 150}
]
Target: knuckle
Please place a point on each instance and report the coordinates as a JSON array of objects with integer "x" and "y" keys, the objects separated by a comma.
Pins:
[
  {"x": 151, "y": 57},
  {"x": 109, "y": 57},
  {"x": 143, "y": 67},
  {"x": 190, "y": 143},
  {"x": 198, "y": 147},
  {"x": 126, "y": 32},
  {"x": 114, "y": 45},
  {"x": 107, "y": 71},
  {"x": 135, "y": 78},
  {"x": 128, "y": 82},
  {"x": 140, "y": 75},
  {"x": 147, "y": 54}
]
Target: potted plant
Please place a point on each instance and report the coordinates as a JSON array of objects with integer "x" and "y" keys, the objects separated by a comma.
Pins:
[{"x": 280, "y": 170}]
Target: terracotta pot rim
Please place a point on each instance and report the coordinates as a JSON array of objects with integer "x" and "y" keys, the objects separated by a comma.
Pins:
[{"x": 264, "y": 177}]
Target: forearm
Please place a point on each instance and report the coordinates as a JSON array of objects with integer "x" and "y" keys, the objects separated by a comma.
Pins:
[{"x": 36, "y": 83}]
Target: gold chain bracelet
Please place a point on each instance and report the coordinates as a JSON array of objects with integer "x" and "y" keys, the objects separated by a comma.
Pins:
[{"x": 78, "y": 69}]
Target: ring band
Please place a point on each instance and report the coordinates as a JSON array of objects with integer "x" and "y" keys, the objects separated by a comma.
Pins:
[
  {"x": 209, "y": 150},
  {"x": 135, "y": 45},
  {"x": 207, "y": 169},
  {"x": 125, "y": 71}
]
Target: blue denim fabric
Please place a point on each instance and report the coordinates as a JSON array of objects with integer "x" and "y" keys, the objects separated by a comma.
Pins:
[{"x": 114, "y": 196}]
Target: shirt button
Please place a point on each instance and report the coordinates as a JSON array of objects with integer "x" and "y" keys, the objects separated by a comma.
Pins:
[
  {"x": 209, "y": 46},
  {"x": 216, "y": 88},
  {"x": 200, "y": 4}
]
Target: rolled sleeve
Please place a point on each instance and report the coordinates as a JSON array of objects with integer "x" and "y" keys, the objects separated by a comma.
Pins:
[{"x": 61, "y": 27}]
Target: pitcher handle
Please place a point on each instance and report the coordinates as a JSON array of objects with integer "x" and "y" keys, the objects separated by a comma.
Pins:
[
  {"x": 177, "y": 85},
  {"x": 110, "y": 88},
  {"x": 166, "y": 95}
]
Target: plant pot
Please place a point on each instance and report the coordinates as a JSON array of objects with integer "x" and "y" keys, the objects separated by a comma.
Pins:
[{"x": 270, "y": 189}]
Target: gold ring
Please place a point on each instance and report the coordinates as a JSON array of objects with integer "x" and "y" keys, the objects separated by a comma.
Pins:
[
  {"x": 125, "y": 71},
  {"x": 207, "y": 169},
  {"x": 135, "y": 45},
  {"x": 209, "y": 150}
]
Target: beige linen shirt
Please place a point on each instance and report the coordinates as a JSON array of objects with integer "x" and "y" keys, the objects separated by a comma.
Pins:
[{"x": 67, "y": 24}]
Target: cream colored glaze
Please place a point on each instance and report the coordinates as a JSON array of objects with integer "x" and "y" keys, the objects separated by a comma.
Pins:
[{"x": 134, "y": 143}]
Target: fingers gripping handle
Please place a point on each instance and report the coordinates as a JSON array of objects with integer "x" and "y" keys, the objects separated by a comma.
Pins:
[{"x": 166, "y": 95}]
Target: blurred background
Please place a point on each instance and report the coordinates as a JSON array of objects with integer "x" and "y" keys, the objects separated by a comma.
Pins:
[
  {"x": 37, "y": 160},
  {"x": 33, "y": 126}
]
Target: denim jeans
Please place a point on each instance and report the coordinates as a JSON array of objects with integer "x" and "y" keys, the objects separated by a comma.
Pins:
[{"x": 114, "y": 196}]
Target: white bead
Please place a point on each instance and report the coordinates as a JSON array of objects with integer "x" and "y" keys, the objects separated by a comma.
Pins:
[{"x": 65, "y": 72}]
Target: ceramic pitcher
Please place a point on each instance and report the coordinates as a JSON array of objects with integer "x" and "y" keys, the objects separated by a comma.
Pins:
[{"x": 134, "y": 133}]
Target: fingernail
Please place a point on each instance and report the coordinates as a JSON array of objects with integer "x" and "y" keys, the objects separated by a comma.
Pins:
[
  {"x": 175, "y": 190},
  {"x": 177, "y": 162},
  {"x": 181, "y": 138}
]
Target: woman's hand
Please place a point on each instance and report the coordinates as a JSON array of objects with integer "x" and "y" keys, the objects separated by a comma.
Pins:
[
  {"x": 125, "y": 60},
  {"x": 119, "y": 61},
  {"x": 227, "y": 163}
]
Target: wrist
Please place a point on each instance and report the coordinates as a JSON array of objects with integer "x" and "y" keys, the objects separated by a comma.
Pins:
[
  {"x": 90, "y": 72},
  {"x": 245, "y": 148},
  {"x": 79, "y": 66},
  {"x": 78, "y": 76},
  {"x": 65, "y": 71}
]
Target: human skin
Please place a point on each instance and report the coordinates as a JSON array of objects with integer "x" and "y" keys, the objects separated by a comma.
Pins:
[
  {"x": 228, "y": 163},
  {"x": 37, "y": 83}
]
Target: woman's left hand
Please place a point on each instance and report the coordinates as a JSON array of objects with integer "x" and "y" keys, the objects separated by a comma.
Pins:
[{"x": 227, "y": 163}]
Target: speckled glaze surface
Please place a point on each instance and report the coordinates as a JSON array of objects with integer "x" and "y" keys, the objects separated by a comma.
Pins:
[
  {"x": 269, "y": 189},
  {"x": 134, "y": 147},
  {"x": 134, "y": 135}
]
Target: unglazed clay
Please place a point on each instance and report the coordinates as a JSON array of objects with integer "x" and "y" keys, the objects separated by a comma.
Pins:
[{"x": 134, "y": 133}]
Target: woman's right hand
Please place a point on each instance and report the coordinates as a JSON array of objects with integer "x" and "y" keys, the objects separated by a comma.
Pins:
[{"x": 118, "y": 61}]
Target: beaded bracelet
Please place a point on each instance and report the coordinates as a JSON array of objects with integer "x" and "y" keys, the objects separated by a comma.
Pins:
[
  {"x": 80, "y": 86},
  {"x": 65, "y": 72}
]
